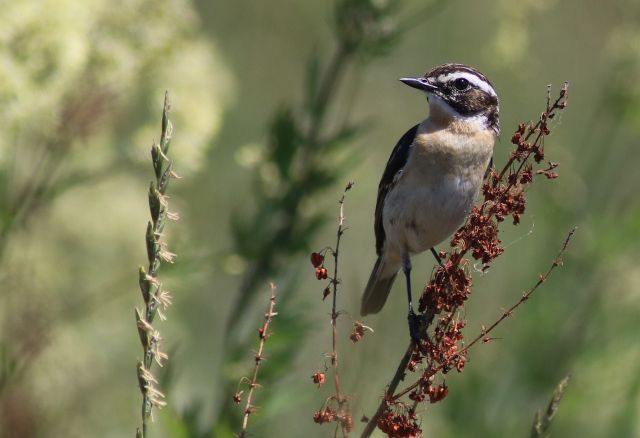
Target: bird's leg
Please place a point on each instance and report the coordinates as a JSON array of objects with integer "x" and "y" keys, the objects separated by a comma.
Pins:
[
  {"x": 437, "y": 256},
  {"x": 414, "y": 320}
]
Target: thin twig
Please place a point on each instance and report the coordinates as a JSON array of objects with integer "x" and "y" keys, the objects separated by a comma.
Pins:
[
  {"x": 507, "y": 313},
  {"x": 558, "y": 104},
  {"x": 399, "y": 375},
  {"x": 341, "y": 415},
  {"x": 526, "y": 295},
  {"x": 264, "y": 334},
  {"x": 342, "y": 401}
]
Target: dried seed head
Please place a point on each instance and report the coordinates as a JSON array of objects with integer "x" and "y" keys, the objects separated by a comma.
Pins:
[
  {"x": 318, "y": 378},
  {"x": 317, "y": 259}
]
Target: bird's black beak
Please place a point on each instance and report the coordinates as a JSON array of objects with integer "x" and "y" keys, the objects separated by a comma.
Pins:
[{"x": 419, "y": 83}]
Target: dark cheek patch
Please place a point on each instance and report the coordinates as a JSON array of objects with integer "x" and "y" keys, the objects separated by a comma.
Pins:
[{"x": 473, "y": 101}]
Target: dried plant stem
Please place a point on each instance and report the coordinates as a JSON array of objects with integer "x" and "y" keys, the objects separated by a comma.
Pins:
[
  {"x": 390, "y": 394},
  {"x": 264, "y": 334},
  {"x": 526, "y": 295},
  {"x": 334, "y": 312},
  {"x": 507, "y": 313},
  {"x": 550, "y": 112},
  {"x": 153, "y": 294},
  {"x": 336, "y": 407}
]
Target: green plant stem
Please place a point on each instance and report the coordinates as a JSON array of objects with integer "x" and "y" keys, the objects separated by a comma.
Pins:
[{"x": 258, "y": 269}]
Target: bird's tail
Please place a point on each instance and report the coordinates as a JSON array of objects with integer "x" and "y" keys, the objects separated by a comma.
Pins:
[{"x": 378, "y": 287}]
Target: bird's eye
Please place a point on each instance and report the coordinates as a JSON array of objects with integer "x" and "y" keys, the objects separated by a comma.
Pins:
[{"x": 461, "y": 84}]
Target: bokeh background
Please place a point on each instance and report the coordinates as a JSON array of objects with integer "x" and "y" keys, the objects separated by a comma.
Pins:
[{"x": 276, "y": 105}]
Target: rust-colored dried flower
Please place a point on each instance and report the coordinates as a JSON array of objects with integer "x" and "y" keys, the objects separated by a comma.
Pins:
[
  {"x": 324, "y": 415},
  {"x": 317, "y": 259},
  {"x": 318, "y": 378},
  {"x": 321, "y": 273},
  {"x": 437, "y": 393},
  {"x": 399, "y": 425},
  {"x": 358, "y": 331}
]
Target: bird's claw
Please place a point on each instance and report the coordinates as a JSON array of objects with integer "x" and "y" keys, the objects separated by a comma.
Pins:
[{"x": 414, "y": 326}]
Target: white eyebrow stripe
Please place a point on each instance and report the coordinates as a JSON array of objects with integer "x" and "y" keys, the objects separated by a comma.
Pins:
[{"x": 475, "y": 80}]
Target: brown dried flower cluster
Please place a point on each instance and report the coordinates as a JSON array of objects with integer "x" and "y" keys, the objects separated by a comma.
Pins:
[
  {"x": 328, "y": 415},
  {"x": 358, "y": 331},
  {"x": 400, "y": 422},
  {"x": 442, "y": 346},
  {"x": 318, "y": 378}
]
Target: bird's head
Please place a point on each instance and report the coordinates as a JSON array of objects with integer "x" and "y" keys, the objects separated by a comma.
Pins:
[{"x": 460, "y": 92}]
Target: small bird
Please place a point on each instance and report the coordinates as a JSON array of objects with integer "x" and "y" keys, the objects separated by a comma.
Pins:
[{"x": 432, "y": 177}]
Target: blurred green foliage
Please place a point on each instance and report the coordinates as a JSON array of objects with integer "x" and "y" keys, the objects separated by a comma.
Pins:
[{"x": 80, "y": 88}]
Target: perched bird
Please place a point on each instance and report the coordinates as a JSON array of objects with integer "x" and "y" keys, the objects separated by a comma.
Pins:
[{"x": 433, "y": 176}]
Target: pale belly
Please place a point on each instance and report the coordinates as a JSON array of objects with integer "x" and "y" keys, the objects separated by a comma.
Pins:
[{"x": 420, "y": 214}]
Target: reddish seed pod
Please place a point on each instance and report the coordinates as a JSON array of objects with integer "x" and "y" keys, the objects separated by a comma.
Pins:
[
  {"x": 318, "y": 378},
  {"x": 317, "y": 259},
  {"x": 437, "y": 393},
  {"x": 358, "y": 332},
  {"x": 325, "y": 415},
  {"x": 321, "y": 273}
]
